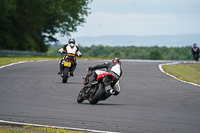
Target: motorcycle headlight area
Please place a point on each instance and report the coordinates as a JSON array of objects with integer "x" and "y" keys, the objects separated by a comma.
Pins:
[{"x": 107, "y": 80}]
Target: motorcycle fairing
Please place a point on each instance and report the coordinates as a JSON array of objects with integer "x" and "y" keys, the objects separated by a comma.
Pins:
[{"x": 101, "y": 74}]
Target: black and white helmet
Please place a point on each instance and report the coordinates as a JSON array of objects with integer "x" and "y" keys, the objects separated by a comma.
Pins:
[
  {"x": 71, "y": 40},
  {"x": 117, "y": 60}
]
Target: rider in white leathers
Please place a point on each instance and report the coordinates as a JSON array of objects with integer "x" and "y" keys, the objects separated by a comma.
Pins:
[{"x": 71, "y": 51}]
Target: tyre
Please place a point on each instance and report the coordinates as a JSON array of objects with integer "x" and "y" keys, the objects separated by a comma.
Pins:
[
  {"x": 97, "y": 94},
  {"x": 65, "y": 75},
  {"x": 80, "y": 98}
]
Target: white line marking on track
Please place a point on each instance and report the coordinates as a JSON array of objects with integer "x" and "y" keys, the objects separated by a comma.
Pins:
[
  {"x": 174, "y": 63},
  {"x": 20, "y": 63},
  {"x": 57, "y": 127},
  {"x": 12, "y": 64}
]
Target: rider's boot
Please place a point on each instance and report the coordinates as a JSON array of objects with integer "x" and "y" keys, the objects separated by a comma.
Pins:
[
  {"x": 60, "y": 71},
  {"x": 72, "y": 71},
  {"x": 71, "y": 74},
  {"x": 89, "y": 84}
]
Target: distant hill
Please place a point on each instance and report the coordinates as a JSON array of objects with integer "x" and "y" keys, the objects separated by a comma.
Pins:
[{"x": 122, "y": 40}]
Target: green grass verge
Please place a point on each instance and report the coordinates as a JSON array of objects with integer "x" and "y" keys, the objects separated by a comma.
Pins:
[
  {"x": 14, "y": 131},
  {"x": 8, "y": 60},
  {"x": 53, "y": 130},
  {"x": 31, "y": 129},
  {"x": 189, "y": 73}
]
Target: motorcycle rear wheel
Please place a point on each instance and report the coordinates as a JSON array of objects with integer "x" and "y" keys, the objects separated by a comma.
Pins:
[
  {"x": 65, "y": 74},
  {"x": 97, "y": 94}
]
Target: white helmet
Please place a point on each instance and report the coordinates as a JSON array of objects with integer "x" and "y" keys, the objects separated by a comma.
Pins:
[{"x": 71, "y": 40}]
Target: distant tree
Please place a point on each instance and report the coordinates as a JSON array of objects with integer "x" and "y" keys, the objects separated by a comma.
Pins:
[
  {"x": 155, "y": 55},
  {"x": 32, "y": 24},
  {"x": 7, "y": 11},
  {"x": 117, "y": 54}
]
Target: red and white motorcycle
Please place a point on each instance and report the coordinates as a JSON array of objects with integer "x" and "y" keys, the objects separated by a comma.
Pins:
[{"x": 97, "y": 91}]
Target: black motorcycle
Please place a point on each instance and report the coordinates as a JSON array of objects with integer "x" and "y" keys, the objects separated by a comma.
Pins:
[{"x": 67, "y": 66}]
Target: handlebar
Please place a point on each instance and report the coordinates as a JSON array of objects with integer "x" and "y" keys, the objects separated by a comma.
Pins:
[{"x": 66, "y": 53}]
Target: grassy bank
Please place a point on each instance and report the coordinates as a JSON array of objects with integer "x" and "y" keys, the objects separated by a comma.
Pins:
[
  {"x": 8, "y": 60},
  {"x": 31, "y": 129},
  {"x": 189, "y": 73}
]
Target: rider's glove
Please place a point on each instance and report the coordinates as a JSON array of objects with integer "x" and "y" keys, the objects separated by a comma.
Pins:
[{"x": 61, "y": 50}]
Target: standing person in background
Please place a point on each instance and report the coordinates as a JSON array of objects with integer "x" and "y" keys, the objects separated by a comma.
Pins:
[{"x": 195, "y": 52}]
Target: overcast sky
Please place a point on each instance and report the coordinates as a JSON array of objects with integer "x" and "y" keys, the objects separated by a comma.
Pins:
[{"x": 141, "y": 18}]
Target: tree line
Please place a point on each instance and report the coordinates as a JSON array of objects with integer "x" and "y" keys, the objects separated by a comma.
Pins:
[
  {"x": 31, "y": 24},
  {"x": 133, "y": 52}
]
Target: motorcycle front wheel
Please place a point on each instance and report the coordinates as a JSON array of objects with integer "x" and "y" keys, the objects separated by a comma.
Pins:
[
  {"x": 65, "y": 75},
  {"x": 80, "y": 97}
]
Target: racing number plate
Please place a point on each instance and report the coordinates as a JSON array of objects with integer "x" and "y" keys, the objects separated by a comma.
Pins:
[{"x": 67, "y": 64}]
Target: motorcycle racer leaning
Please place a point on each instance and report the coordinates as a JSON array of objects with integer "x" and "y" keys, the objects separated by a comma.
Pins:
[
  {"x": 113, "y": 67},
  {"x": 71, "y": 51}
]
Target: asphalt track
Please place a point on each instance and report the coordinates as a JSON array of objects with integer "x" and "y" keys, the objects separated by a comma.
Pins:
[{"x": 150, "y": 101}]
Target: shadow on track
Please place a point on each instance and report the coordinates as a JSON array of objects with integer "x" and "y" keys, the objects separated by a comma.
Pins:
[
  {"x": 69, "y": 83},
  {"x": 104, "y": 104}
]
